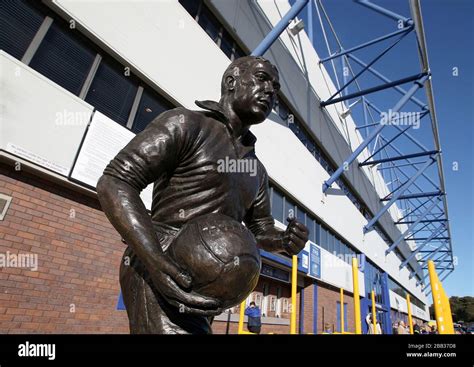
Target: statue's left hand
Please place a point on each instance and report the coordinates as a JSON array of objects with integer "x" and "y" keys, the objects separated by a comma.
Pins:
[{"x": 295, "y": 237}]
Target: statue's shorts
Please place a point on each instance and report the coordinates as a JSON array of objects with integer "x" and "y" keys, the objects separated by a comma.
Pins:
[{"x": 147, "y": 310}]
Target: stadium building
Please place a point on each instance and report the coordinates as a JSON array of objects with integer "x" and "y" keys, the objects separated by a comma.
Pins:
[{"x": 80, "y": 78}]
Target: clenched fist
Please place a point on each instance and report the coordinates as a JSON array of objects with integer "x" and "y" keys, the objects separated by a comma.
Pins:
[{"x": 295, "y": 237}]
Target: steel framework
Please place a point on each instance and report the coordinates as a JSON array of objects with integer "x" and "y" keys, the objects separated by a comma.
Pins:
[{"x": 424, "y": 207}]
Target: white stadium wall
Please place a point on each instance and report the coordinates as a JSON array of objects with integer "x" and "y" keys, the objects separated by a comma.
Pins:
[{"x": 32, "y": 126}]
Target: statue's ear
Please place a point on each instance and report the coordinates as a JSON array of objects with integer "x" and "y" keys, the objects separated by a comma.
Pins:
[{"x": 230, "y": 82}]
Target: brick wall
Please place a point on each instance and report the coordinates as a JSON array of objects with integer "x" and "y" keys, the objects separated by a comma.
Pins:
[
  {"x": 75, "y": 287},
  {"x": 78, "y": 253},
  {"x": 327, "y": 300}
]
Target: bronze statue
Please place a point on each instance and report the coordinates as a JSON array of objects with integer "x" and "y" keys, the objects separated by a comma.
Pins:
[{"x": 191, "y": 158}]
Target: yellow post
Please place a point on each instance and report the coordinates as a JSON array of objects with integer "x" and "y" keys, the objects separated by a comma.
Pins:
[
  {"x": 355, "y": 281},
  {"x": 240, "y": 330},
  {"x": 410, "y": 321},
  {"x": 438, "y": 303},
  {"x": 447, "y": 312},
  {"x": 294, "y": 279},
  {"x": 374, "y": 315},
  {"x": 342, "y": 311}
]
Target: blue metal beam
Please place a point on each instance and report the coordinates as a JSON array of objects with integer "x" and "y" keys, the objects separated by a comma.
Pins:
[
  {"x": 417, "y": 195},
  {"x": 386, "y": 12},
  {"x": 423, "y": 221},
  {"x": 429, "y": 285},
  {"x": 417, "y": 85},
  {"x": 446, "y": 275},
  {"x": 425, "y": 238},
  {"x": 424, "y": 278},
  {"x": 369, "y": 43},
  {"x": 310, "y": 23},
  {"x": 426, "y": 273},
  {"x": 380, "y": 168},
  {"x": 410, "y": 228},
  {"x": 377, "y": 88},
  {"x": 419, "y": 145},
  {"x": 414, "y": 210},
  {"x": 391, "y": 159},
  {"x": 399, "y": 192},
  {"x": 412, "y": 139},
  {"x": 441, "y": 228},
  {"x": 386, "y": 80},
  {"x": 273, "y": 35},
  {"x": 354, "y": 77}
]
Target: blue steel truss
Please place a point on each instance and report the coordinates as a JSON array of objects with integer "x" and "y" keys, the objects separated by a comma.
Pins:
[{"x": 425, "y": 209}]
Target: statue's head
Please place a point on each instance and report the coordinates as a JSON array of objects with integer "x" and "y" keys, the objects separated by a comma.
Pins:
[{"x": 250, "y": 85}]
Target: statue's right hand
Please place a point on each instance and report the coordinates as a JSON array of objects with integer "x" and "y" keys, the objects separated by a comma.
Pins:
[{"x": 175, "y": 286}]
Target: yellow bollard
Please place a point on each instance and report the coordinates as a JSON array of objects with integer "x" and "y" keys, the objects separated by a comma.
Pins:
[
  {"x": 447, "y": 312},
  {"x": 374, "y": 314},
  {"x": 355, "y": 281},
  {"x": 240, "y": 329},
  {"x": 342, "y": 311},
  {"x": 410, "y": 321},
  {"x": 441, "y": 305},
  {"x": 294, "y": 279}
]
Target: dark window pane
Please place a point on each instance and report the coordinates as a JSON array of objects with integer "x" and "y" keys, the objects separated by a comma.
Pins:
[
  {"x": 19, "y": 23},
  {"x": 290, "y": 209},
  {"x": 227, "y": 44},
  {"x": 112, "y": 93},
  {"x": 277, "y": 206},
  {"x": 301, "y": 216},
  {"x": 330, "y": 242},
  {"x": 191, "y": 6},
  {"x": 283, "y": 111},
  {"x": 63, "y": 59},
  {"x": 310, "y": 223},
  {"x": 337, "y": 246},
  {"x": 209, "y": 23},
  {"x": 324, "y": 238},
  {"x": 150, "y": 106},
  {"x": 238, "y": 52},
  {"x": 317, "y": 233}
]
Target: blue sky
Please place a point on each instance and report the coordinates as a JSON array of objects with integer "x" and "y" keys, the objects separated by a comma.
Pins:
[{"x": 450, "y": 37}]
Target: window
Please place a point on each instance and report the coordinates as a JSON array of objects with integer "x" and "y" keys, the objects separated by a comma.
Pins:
[
  {"x": 64, "y": 59},
  {"x": 191, "y": 6},
  {"x": 301, "y": 216},
  {"x": 112, "y": 93},
  {"x": 338, "y": 247},
  {"x": 209, "y": 23},
  {"x": 324, "y": 238},
  {"x": 317, "y": 233},
  {"x": 310, "y": 223},
  {"x": 338, "y": 316},
  {"x": 151, "y": 105},
  {"x": 277, "y": 206},
  {"x": 212, "y": 26},
  {"x": 290, "y": 209},
  {"x": 398, "y": 289},
  {"x": 278, "y": 303},
  {"x": 330, "y": 243},
  {"x": 19, "y": 23},
  {"x": 282, "y": 109},
  {"x": 227, "y": 44}
]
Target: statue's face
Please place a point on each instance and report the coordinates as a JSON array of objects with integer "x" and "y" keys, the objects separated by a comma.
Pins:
[{"x": 255, "y": 92}]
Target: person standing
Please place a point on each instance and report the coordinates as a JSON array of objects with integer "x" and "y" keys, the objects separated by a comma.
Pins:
[
  {"x": 254, "y": 323},
  {"x": 370, "y": 325}
]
